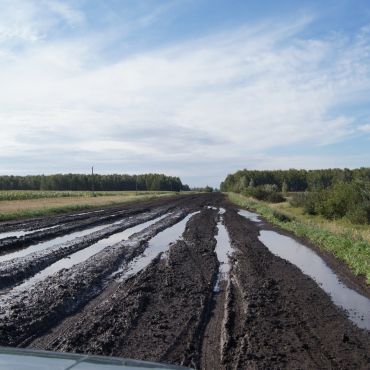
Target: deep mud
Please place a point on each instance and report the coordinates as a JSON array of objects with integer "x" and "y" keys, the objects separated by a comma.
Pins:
[{"x": 181, "y": 306}]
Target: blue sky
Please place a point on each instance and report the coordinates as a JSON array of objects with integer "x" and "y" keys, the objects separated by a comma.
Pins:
[{"x": 193, "y": 88}]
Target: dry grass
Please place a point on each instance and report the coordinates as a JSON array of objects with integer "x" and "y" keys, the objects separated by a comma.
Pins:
[
  {"x": 15, "y": 209},
  {"x": 334, "y": 226}
]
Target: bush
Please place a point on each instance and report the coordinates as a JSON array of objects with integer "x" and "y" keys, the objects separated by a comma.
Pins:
[
  {"x": 267, "y": 193},
  {"x": 359, "y": 214},
  {"x": 349, "y": 200},
  {"x": 282, "y": 216},
  {"x": 298, "y": 199}
]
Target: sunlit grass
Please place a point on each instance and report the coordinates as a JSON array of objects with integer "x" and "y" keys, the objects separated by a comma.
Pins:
[
  {"x": 27, "y": 208},
  {"x": 349, "y": 243},
  {"x": 40, "y": 194}
]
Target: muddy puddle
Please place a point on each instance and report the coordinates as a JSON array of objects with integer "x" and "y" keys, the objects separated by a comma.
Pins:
[
  {"x": 159, "y": 244},
  {"x": 86, "y": 213},
  {"x": 223, "y": 250},
  {"x": 49, "y": 243},
  {"x": 311, "y": 264},
  {"x": 357, "y": 306},
  {"x": 19, "y": 233},
  {"x": 84, "y": 254},
  {"x": 250, "y": 215}
]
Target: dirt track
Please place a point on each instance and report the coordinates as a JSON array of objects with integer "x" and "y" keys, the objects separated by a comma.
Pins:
[{"x": 266, "y": 313}]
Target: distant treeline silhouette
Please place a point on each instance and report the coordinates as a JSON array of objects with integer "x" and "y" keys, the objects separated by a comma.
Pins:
[
  {"x": 114, "y": 182},
  {"x": 293, "y": 179}
]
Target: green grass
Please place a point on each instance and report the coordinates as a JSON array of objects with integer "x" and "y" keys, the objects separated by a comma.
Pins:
[
  {"x": 347, "y": 246},
  {"x": 45, "y": 212}
]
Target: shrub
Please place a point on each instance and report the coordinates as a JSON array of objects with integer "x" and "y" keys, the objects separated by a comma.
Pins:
[
  {"x": 281, "y": 216},
  {"x": 298, "y": 199},
  {"x": 267, "y": 193},
  {"x": 349, "y": 200}
]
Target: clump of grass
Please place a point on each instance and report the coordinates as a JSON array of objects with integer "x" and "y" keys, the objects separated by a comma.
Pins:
[
  {"x": 352, "y": 249},
  {"x": 282, "y": 216}
]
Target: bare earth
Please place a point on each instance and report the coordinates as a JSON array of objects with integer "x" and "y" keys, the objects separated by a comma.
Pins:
[{"x": 267, "y": 314}]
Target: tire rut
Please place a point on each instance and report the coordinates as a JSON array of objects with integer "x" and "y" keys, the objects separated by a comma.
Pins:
[{"x": 36, "y": 310}]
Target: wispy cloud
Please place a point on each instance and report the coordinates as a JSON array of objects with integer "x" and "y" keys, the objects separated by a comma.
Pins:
[{"x": 203, "y": 103}]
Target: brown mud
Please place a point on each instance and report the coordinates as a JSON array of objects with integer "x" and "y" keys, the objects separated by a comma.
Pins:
[
  {"x": 346, "y": 275},
  {"x": 266, "y": 314}
]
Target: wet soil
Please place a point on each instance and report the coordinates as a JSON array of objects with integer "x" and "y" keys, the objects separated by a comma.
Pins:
[
  {"x": 266, "y": 313},
  {"x": 288, "y": 321},
  {"x": 355, "y": 282}
]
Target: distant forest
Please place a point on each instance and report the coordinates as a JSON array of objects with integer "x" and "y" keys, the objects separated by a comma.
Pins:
[
  {"x": 86, "y": 182},
  {"x": 293, "y": 180}
]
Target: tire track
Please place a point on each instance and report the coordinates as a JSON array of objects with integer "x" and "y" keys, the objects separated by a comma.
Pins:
[
  {"x": 18, "y": 269},
  {"x": 32, "y": 312}
]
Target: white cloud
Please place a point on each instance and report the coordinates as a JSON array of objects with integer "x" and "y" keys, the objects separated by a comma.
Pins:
[
  {"x": 365, "y": 128},
  {"x": 71, "y": 15},
  {"x": 220, "y": 99}
]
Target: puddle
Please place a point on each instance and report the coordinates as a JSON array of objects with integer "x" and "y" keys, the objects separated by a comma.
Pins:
[
  {"x": 222, "y": 211},
  {"x": 159, "y": 244},
  {"x": 20, "y": 233},
  {"x": 250, "y": 215},
  {"x": 223, "y": 250},
  {"x": 212, "y": 207},
  {"x": 357, "y": 306},
  {"x": 49, "y": 243},
  {"x": 16, "y": 234},
  {"x": 85, "y": 213},
  {"x": 85, "y": 253}
]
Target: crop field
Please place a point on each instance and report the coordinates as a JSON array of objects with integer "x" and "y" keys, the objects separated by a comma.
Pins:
[
  {"x": 18, "y": 204},
  {"x": 187, "y": 280},
  {"x": 42, "y": 194}
]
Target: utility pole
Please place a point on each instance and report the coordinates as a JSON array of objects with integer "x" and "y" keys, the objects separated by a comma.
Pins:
[
  {"x": 92, "y": 182},
  {"x": 136, "y": 183}
]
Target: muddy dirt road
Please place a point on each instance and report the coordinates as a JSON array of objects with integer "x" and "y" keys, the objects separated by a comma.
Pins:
[{"x": 183, "y": 280}]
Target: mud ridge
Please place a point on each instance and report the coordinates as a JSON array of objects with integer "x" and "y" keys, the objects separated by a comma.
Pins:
[
  {"x": 162, "y": 306},
  {"x": 18, "y": 269},
  {"x": 155, "y": 299},
  {"x": 68, "y": 223},
  {"x": 289, "y": 321},
  {"x": 33, "y": 311}
]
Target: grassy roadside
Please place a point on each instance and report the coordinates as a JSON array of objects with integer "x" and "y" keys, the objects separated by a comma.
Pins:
[
  {"x": 349, "y": 245},
  {"x": 28, "y": 208}
]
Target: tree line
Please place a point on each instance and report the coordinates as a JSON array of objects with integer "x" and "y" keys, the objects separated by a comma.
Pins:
[
  {"x": 293, "y": 179},
  {"x": 349, "y": 200},
  {"x": 331, "y": 193},
  {"x": 114, "y": 182}
]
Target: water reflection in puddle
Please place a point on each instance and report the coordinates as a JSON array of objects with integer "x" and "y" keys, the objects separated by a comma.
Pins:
[
  {"x": 250, "y": 215},
  {"x": 159, "y": 244},
  {"x": 311, "y": 264},
  {"x": 85, "y": 253},
  {"x": 357, "y": 306},
  {"x": 20, "y": 233},
  {"x": 85, "y": 213},
  {"x": 49, "y": 243},
  {"x": 223, "y": 250},
  {"x": 212, "y": 207}
]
